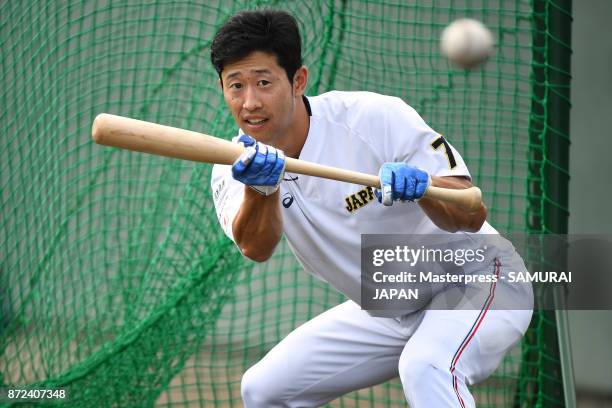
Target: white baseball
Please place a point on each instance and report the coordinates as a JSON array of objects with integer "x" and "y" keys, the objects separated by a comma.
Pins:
[{"x": 467, "y": 43}]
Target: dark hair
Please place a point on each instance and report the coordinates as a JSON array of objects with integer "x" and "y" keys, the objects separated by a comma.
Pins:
[{"x": 273, "y": 31}]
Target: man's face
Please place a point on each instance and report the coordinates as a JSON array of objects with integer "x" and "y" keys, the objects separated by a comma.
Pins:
[{"x": 261, "y": 99}]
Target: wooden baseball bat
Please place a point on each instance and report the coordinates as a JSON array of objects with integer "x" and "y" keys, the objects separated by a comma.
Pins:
[{"x": 148, "y": 137}]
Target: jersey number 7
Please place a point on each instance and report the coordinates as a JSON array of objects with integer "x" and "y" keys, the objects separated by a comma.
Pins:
[{"x": 448, "y": 151}]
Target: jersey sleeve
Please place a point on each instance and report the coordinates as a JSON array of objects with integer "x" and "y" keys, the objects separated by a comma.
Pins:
[
  {"x": 227, "y": 196},
  {"x": 409, "y": 139}
]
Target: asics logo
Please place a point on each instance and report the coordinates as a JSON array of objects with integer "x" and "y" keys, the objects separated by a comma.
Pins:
[{"x": 287, "y": 200}]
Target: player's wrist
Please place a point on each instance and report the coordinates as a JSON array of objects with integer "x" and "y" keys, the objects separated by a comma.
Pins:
[
  {"x": 252, "y": 193},
  {"x": 264, "y": 190}
]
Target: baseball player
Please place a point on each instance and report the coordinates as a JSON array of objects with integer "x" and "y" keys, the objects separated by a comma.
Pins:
[{"x": 436, "y": 353}]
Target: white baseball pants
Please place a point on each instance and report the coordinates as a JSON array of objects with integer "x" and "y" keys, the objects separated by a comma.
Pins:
[{"x": 436, "y": 353}]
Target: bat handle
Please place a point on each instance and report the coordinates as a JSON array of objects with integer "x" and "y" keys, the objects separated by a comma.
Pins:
[{"x": 468, "y": 198}]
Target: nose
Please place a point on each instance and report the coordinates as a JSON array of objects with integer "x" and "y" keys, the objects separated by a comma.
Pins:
[{"x": 251, "y": 99}]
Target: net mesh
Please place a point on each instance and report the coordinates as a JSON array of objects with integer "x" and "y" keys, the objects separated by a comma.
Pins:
[{"x": 116, "y": 282}]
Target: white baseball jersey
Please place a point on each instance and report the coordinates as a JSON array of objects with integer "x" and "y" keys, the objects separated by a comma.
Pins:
[{"x": 324, "y": 219}]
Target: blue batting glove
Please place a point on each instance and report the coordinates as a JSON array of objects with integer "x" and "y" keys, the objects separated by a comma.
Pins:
[
  {"x": 400, "y": 181},
  {"x": 261, "y": 167},
  {"x": 246, "y": 140}
]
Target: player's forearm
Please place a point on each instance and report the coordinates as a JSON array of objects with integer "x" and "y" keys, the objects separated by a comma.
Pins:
[
  {"x": 451, "y": 217},
  {"x": 258, "y": 225}
]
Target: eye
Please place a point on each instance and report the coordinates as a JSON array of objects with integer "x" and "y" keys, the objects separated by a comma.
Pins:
[
  {"x": 263, "y": 82},
  {"x": 235, "y": 85}
]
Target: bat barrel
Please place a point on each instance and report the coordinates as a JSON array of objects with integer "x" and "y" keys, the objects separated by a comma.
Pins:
[{"x": 147, "y": 137}]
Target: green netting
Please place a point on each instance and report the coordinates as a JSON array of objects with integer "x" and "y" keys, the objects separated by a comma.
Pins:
[{"x": 116, "y": 282}]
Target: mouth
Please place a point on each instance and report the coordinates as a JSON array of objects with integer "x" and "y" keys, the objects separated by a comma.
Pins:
[{"x": 255, "y": 123}]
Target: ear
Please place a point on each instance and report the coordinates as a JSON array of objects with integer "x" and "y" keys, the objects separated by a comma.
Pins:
[{"x": 300, "y": 80}]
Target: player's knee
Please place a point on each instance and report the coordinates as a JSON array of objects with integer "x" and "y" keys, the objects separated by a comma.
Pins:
[
  {"x": 257, "y": 392},
  {"x": 417, "y": 373}
]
